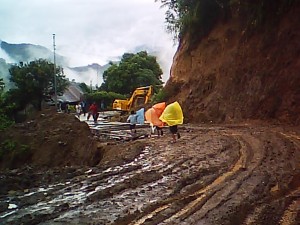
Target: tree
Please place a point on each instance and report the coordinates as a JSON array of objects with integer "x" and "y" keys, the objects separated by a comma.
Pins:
[
  {"x": 134, "y": 70},
  {"x": 35, "y": 81},
  {"x": 85, "y": 88},
  {"x": 195, "y": 17}
]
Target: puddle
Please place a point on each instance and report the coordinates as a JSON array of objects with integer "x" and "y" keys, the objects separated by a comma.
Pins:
[{"x": 75, "y": 192}]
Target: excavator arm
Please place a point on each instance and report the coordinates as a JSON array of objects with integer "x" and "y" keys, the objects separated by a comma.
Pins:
[{"x": 139, "y": 97}]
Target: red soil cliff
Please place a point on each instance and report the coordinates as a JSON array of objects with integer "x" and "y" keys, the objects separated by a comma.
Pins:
[{"x": 234, "y": 74}]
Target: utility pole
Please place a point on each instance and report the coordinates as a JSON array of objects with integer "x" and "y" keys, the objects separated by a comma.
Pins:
[
  {"x": 54, "y": 70},
  {"x": 97, "y": 77}
]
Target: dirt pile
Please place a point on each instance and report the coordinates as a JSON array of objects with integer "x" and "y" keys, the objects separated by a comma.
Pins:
[
  {"x": 235, "y": 73},
  {"x": 50, "y": 139}
]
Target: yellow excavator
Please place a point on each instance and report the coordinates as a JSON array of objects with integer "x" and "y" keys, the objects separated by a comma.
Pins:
[{"x": 138, "y": 99}]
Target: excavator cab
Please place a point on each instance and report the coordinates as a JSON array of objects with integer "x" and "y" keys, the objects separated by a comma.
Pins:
[
  {"x": 139, "y": 97},
  {"x": 120, "y": 104}
]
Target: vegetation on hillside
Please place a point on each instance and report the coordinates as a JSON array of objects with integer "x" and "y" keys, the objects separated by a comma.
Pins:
[
  {"x": 122, "y": 78},
  {"x": 34, "y": 81},
  {"x": 134, "y": 70},
  {"x": 196, "y": 18},
  {"x": 4, "y": 119},
  {"x": 193, "y": 17},
  {"x": 103, "y": 98}
]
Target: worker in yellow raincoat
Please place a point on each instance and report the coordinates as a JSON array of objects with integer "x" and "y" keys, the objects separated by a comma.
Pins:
[{"x": 173, "y": 116}]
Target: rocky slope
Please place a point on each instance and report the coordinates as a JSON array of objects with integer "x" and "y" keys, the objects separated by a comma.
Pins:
[{"x": 241, "y": 71}]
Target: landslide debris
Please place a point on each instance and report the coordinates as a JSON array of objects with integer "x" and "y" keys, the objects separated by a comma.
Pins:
[{"x": 49, "y": 139}]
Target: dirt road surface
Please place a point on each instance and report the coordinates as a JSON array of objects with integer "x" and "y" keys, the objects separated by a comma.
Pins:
[{"x": 220, "y": 174}]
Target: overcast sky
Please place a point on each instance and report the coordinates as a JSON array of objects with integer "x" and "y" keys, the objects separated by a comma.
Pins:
[{"x": 88, "y": 31}]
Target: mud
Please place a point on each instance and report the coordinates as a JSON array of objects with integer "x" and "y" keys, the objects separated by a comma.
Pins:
[{"x": 219, "y": 174}]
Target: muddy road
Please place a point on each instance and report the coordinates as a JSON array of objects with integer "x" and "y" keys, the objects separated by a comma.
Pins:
[{"x": 220, "y": 174}]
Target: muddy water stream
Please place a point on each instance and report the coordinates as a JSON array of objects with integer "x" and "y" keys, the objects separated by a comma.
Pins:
[{"x": 104, "y": 196}]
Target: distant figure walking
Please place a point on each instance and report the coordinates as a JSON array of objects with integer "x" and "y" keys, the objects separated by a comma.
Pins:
[
  {"x": 67, "y": 108},
  {"x": 132, "y": 119},
  {"x": 93, "y": 110},
  {"x": 83, "y": 107},
  {"x": 102, "y": 106},
  {"x": 78, "y": 110}
]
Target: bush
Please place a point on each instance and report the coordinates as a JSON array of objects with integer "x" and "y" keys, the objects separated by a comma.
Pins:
[
  {"x": 194, "y": 17},
  {"x": 106, "y": 98},
  {"x": 5, "y": 122},
  {"x": 13, "y": 148},
  {"x": 161, "y": 96},
  {"x": 7, "y": 146}
]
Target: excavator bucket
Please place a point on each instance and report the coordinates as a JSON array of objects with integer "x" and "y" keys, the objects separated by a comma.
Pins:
[{"x": 172, "y": 115}]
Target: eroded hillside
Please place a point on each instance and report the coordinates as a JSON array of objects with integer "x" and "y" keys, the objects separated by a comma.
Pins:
[{"x": 240, "y": 70}]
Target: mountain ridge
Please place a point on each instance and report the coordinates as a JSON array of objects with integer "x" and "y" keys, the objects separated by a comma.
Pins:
[{"x": 26, "y": 52}]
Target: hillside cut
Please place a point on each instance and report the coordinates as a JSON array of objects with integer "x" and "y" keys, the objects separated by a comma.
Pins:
[{"x": 241, "y": 69}]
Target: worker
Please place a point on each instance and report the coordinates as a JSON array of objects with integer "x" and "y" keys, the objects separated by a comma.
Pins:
[
  {"x": 132, "y": 119},
  {"x": 173, "y": 116},
  {"x": 93, "y": 110}
]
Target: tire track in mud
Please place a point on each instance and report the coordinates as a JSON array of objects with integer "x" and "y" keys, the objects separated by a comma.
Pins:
[
  {"x": 241, "y": 185},
  {"x": 265, "y": 206},
  {"x": 212, "y": 175},
  {"x": 172, "y": 163},
  {"x": 245, "y": 178},
  {"x": 291, "y": 213},
  {"x": 171, "y": 171},
  {"x": 269, "y": 173},
  {"x": 202, "y": 196}
]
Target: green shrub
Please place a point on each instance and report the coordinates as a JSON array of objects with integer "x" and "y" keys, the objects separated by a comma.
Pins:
[
  {"x": 107, "y": 98},
  {"x": 5, "y": 122},
  {"x": 161, "y": 96},
  {"x": 13, "y": 148},
  {"x": 193, "y": 17},
  {"x": 7, "y": 146}
]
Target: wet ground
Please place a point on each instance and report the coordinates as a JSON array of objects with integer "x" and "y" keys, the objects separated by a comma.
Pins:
[{"x": 243, "y": 174}]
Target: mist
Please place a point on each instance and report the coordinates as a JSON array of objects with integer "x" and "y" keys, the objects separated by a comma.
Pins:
[{"x": 89, "y": 31}]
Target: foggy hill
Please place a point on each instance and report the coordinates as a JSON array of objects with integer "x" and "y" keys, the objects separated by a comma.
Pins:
[
  {"x": 94, "y": 66},
  {"x": 16, "y": 53},
  {"x": 29, "y": 52}
]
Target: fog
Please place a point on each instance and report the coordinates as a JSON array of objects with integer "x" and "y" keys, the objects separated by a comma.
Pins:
[{"x": 89, "y": 31}]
